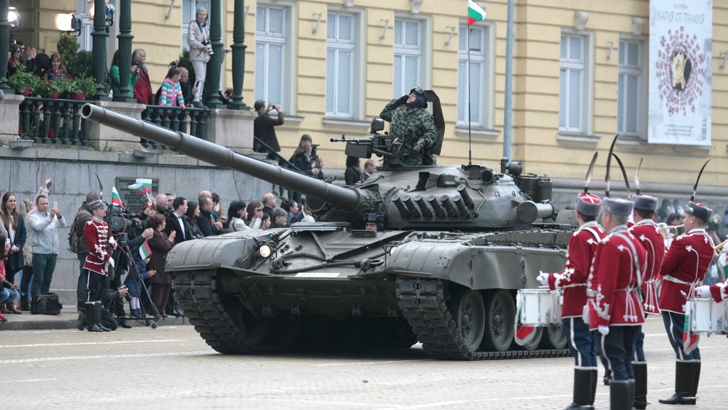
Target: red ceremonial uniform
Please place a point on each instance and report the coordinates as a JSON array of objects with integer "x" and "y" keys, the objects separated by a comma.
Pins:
[
  {"x": 616, "y": 274},
  {"x": 649, "y": 235},
  {"x": 579, "y": 257},
  {"x": 95, "y": 233},
  {"x": 719, "y": 291},
  {"x": 684, "y": 266}
]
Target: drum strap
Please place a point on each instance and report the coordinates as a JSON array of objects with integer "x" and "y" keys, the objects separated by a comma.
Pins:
[{"x": 676, "y": 280}]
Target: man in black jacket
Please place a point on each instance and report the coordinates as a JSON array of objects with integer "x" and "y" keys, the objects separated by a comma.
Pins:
[
  {"x": 177, "y": 221},
  {"x": 205, "y": 221}
]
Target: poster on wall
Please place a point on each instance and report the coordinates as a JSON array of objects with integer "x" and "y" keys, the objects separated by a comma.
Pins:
[{"x": 681, "y": 33}]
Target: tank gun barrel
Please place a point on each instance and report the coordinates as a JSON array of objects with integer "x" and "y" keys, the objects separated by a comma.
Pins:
[{"x": 223, "y": 157}]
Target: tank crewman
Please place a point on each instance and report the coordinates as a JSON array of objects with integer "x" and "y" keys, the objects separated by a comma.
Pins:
[
  {"x": 684, "y": 268},
  {"x": 615, "y": 310},
  {"x": 582, "y": 245},
  {"x": 412, "y": 125},
  {"x": 646, "y": 231}
]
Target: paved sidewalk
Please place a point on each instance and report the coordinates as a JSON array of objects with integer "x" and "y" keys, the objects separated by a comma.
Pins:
[{"x": 67, "y": 320}]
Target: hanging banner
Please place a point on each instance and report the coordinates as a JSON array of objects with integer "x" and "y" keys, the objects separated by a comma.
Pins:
[{"x": 681, "y": 33}]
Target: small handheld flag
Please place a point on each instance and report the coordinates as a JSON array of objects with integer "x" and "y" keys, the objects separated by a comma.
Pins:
[
  {"x": 116, "y": 198},
  {"x": 145, "y": 251},
  {"x": 142, "y": 186}
]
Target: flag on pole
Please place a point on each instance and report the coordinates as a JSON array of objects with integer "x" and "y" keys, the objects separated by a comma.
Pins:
[
  {"x": 116, "y": 198},
  {"x": 145, "y": 251},
  {"x": 142, "y": 186},
  {"x": 475, "y": 13}
]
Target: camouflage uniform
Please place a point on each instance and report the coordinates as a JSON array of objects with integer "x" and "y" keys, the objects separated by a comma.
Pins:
[{"x": 411, "y": 126}]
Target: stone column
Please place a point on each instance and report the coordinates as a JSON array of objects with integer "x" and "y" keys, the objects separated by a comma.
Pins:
[
  {"x": 214, "y": 66},
  {"x": 4, "y": 44},
  {"x": 125, "y": 37},
  {"x": 99, "y": 48},
  {"x": 239, "y": 56}
]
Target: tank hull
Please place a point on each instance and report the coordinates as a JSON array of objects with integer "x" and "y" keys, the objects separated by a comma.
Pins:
[{"x": 358, "y": 286}]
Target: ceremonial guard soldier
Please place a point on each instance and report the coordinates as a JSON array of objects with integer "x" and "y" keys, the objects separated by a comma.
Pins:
[
  {"x": 683, "y": 269},
  {"x": 646, "y": 231},
  {"x": 96, "y": 235},
  {"x": 572, "y": 279},
  {"x": 615, "y": 309}
]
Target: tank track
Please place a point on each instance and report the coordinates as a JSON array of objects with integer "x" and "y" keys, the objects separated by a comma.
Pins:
[
  {"x": 196, "y": 293},
  {"x": 423, "y": 304}
]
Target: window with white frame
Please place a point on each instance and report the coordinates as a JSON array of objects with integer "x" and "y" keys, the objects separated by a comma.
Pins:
[
  {"x": 474, "y": 86},
  {"x": 630, "y": 97},
  {"x": 340, "y": 64},
  {"x": 189, "y": 13},
  {"x": 573, "y": 88},
  {"x": 270, "y": 54},
  {"x": 407, "y": 55}
]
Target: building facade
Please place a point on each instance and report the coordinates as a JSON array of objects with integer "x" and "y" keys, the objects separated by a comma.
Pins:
[{"x": 580, "y": 75}]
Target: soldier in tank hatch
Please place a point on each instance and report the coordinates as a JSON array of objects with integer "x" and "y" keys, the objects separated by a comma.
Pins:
[
  {"x": 412, "y": 125},
  {"x": 582, "y": 246}
]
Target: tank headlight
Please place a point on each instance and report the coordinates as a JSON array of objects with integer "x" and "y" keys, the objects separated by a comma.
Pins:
[
  {"x": 391, "y": 250},
  {"x": 264, "y": 251}
]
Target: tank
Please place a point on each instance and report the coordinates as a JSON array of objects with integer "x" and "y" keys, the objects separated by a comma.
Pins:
[{"x": 457, "y": 244}]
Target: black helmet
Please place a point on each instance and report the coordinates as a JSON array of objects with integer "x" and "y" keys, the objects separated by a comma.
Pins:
[{"x": 418, "y": 90}]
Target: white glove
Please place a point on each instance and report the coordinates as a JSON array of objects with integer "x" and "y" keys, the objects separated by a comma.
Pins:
[
  {"x": 703, "y": 291},
  {"x": 112, "y": 241},
  {"x": 543, "y": 278},
  {"x": 604, "y": 330},
  {"x": 111, "y": 262},
  {"x": 722, "y": 261}
]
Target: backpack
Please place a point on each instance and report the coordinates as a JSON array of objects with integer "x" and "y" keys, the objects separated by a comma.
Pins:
[{"x": 73, "y": 238}]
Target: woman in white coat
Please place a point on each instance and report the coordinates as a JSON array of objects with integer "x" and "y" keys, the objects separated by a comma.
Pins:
[{"x": 200, "y": 47}]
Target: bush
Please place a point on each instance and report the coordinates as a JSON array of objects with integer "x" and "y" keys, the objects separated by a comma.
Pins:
[{"x": 78, "y": 63}]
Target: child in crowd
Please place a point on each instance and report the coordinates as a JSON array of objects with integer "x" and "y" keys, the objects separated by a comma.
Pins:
[{"x": 171, "y": 90}]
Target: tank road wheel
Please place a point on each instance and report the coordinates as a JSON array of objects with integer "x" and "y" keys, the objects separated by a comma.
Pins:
[
  {"x": 500, "y": 314},
  {"x": 468, "y": 312},
  {"x": 554, "y": 337}
]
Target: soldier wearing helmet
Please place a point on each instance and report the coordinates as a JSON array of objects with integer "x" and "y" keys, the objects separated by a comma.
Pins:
[{"x": 412, "y": 126}]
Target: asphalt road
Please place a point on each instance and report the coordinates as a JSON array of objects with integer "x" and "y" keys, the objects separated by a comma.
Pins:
[{"x": 171, "y": 367}]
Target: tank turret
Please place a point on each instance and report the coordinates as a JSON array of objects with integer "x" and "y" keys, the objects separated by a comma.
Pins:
[{"x": 464, "y": 198}]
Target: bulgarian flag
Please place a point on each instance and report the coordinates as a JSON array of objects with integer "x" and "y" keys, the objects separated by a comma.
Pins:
[
  {"x": 142, "y": 186},
  {"x": 116, "y": 199},
  {"x": 475, "y": 13},
  {"x": 145, "y": 251}
]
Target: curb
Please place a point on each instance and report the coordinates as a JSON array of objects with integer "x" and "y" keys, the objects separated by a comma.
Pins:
[{"x": 67, "y": 320}]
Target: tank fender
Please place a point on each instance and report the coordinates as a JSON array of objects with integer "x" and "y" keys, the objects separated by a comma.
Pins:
[
  {"x": 211, "y": 253},
  {"x": 475, "y": 267}
]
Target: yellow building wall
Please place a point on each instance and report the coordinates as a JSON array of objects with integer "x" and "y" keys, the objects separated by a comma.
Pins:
[{"x": 538, "y": 28}]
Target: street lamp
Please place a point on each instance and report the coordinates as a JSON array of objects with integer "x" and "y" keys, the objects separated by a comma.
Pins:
[
  {"x": 69, "y": 23},
  {"x": 13, "y": 18},
  {"x": 110, "y": 12}
]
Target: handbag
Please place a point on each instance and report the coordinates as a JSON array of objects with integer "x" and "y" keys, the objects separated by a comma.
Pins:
[{"x": 46, "y": 304}]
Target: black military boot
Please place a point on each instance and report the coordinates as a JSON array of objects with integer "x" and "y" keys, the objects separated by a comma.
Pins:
[
  {"x": 594, "y": 380},
  {"x": 97, "y": 313},
  {"x": 92, "y": 319},
  {"x": 619, "y": 395},
  {"x": 640, "y": 389},
  {"x": 696, "y": 379},
  {"x": 582, "y": 390},
  {"x": 684, "y": 382}
]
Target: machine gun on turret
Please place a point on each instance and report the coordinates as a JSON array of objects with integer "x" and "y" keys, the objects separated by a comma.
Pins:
[{"x": 379, "y": 144}]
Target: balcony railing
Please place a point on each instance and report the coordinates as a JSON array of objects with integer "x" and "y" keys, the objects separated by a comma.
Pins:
[
  {"x": 53, "y": 121},
  {"x": 191, "y": 121}
]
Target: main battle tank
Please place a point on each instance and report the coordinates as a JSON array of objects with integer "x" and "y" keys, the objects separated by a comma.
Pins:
[{"x": 459, "y": 242}]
